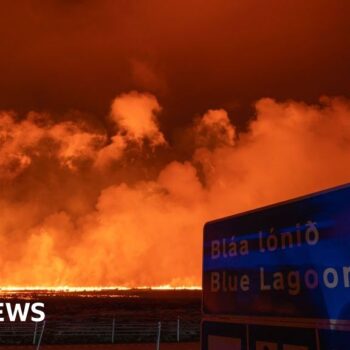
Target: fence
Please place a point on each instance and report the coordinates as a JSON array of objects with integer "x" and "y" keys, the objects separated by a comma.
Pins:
[{"x": 98, "y": 330}]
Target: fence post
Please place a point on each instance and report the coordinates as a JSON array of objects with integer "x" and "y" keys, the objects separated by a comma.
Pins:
[
  {"x": 158, "y": 335},
  {"x": 178, "y": 329},
  {"x": 41, "y": 336},
  {"x": 113, "y": 329},
  {"x": 35, "y": 329}
]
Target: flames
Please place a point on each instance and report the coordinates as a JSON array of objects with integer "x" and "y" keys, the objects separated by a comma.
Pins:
[
  {"x": 122, "y": 206},
  {"x": 69, "y": 289}
]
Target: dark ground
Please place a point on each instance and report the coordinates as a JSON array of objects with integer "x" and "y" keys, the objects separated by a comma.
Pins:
[{"x": 89, "y": 317}]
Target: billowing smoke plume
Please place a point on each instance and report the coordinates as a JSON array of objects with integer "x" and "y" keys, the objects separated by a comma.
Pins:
[{"x": 79, "y": 206}]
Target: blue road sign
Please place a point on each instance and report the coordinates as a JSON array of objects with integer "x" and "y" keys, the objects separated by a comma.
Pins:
[
  {"x": 334, "y": 339},
  {"x": 289, "y": 260}
]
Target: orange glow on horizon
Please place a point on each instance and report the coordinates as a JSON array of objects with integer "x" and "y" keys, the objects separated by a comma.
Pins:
[
  {"x": 126, "y": 125},
  {"x": 69, "y": 289}
]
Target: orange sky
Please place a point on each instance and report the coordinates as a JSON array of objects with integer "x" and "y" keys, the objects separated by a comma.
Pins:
[{"x": 125, "y": 125}]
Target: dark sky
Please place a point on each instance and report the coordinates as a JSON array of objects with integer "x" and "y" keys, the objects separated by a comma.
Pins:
[{"x": 193, "y": 55}]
